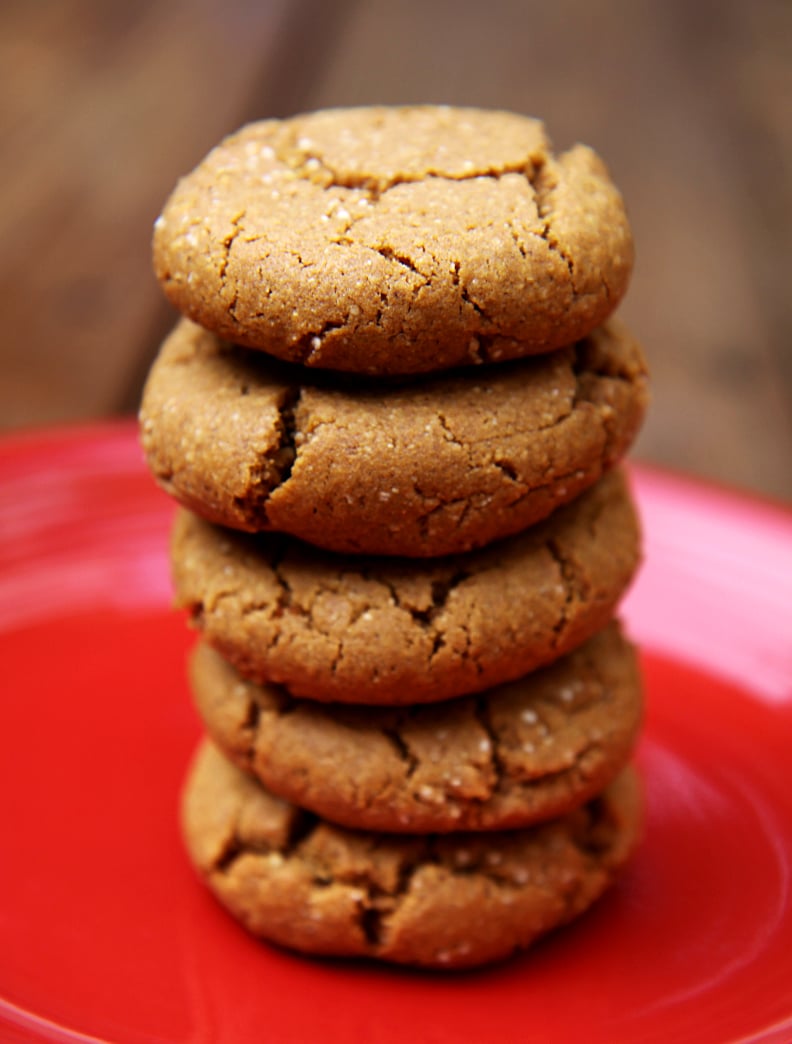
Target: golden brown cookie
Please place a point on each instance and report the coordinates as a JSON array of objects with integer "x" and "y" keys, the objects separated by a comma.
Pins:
[
  {"x": 396, "y": 631},
  {"x": 447, "y": 902},
  {"x": 429, "y": 468},
  {"x": 510, "y": 757},
  {"x": 399, "y": 240}
]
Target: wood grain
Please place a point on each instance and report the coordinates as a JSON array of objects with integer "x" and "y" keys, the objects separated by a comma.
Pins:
[
  {"x": 105, "y": 104},
  {"x": 108, "y": 105}
]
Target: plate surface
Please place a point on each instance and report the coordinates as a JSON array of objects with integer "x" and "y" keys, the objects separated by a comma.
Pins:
[{"x": 107, "y": 935}]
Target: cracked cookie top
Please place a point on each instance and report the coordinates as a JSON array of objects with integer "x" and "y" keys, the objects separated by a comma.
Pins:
[
  {"x": 399, "y": 631},
  {"x": 453, "y": 901},
  {"x": 388, "y": 241},
  {"x": 515, "y": 755},
  {"x": 418, "y": 468}
]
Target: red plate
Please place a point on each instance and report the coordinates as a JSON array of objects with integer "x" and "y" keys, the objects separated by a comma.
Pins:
[{"x": 105, "y": 934}]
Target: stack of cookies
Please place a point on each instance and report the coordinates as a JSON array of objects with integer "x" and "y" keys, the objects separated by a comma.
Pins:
[{"x": 392, "y": 414}]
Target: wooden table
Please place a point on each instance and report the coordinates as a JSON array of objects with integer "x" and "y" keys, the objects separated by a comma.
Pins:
[{"x": 105, "y": 103}]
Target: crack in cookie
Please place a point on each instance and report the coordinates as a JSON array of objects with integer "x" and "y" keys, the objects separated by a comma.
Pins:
[
  {"x": 514, "y": 755},
  {"x": 497, "y": 242},
  {"x": 452, "y": 901},
  {"x": 423, "y": 468}
]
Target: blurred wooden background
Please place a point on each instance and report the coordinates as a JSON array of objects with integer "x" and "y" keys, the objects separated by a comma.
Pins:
[{"x": 104, "y": 104}]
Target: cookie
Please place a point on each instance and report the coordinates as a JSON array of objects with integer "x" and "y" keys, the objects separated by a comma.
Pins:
[
  {"x": 518, "y": 754},
  {"x": 453, "y": 901},
  {"x": 425, "y": 469},
  {"x": 397, "y": 631},
  {"x": 388, "y": 241}
]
